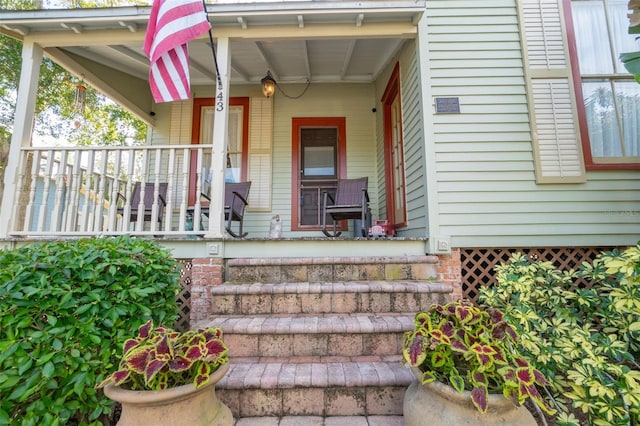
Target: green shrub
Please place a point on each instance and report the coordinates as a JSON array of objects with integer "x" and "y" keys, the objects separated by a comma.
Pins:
[
  {"x": 584, "y": 340},
  {"x": 67, "y": 309}
]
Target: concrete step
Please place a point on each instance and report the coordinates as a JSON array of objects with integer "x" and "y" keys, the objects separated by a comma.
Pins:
[
  {"x": 330, "y": 269},
  {"x": 331, "y": 297},
  {"x": 295, "y": 387},
  {"x": 314, "y": 336}
]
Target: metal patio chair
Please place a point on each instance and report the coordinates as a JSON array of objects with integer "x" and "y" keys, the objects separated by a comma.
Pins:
[
  {"x": 351, "y": 202},
  {"x": 149, "y": 192},
  {"x": 235, "y": 202}
]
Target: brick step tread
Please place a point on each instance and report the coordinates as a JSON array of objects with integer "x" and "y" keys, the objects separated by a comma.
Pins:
[
  {"x": 285, "y": 375},
  {"x": 395, "y": 358},
  {"x": 299, "y": 420},
  {"x": 263, "y": 261},
  {"x": 332, "y": 287},
  {"x": 311, "y": 324}
]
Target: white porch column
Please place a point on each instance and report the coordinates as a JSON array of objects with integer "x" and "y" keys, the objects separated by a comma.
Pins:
[
  {"x": 219, "y": 150},
  {"x": 431, "y": 183},
  {"x": 22, "y": 128}
]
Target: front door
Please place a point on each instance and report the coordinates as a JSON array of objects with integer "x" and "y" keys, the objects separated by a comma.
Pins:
[{"x": 319, "y": 161}]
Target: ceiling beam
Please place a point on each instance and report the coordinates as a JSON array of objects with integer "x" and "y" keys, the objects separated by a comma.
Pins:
[
  {"x": 242, "y": 22},
  {"x": 242, "y": 73},
  {"x": 387, "y": 57},
  {"x": 267, "y": 60},
  {"x": 322, "y": 31},
  {"x": 347, "y": 58},
  {"x": 131, "y": 54},
  {"x": 310, "y": 31},
  {"x": 89, "y": 38},
  {"x": 307, "y": 63},
  {"x": 209, "y": 72}
]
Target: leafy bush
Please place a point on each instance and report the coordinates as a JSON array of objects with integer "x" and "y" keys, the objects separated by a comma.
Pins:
[
  {"x": 584, "y": 340},
  {"x": 67, "y": 309}
]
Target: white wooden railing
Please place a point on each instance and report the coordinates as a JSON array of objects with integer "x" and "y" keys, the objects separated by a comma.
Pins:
[{"x": 75, "y": 191}]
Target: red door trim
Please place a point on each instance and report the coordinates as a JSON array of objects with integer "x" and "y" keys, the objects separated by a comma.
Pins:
[
  {"x": 296, "y": 124},
  {"x": 391, "y": 92}
]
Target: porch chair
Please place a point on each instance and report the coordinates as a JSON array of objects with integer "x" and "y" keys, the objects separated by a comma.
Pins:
[
  {"x": 149, "y": 191},
  {"x": 235, "y": 202},
  {"x": 351, "y": 202}
]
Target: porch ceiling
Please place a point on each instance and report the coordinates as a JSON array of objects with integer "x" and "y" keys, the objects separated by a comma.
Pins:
[{"x": 358, "y": 40}]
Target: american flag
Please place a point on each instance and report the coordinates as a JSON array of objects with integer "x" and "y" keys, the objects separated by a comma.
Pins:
[{"x": 172, "y": 24}]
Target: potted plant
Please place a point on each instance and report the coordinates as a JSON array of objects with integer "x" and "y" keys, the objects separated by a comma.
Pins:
[
  {"x": 468, "y": 368},
  {"x": 167, "y": 377}
]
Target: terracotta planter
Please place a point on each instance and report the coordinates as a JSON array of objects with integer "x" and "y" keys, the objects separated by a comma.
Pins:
[
  {"x": 181, "y": 406},
  {"x": 437, "y": 404}
]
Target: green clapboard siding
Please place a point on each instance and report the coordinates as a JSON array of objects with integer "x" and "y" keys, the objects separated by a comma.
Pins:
[{"x": 486, "y": 189}]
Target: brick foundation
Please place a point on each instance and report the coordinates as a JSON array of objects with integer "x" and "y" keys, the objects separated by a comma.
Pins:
[
  {"x": 205, "y": 273},
  {"x": 449, "y": 270}
]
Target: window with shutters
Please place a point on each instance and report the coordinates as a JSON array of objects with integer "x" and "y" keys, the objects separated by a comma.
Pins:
[
  {"x": 249, "y": 143},
  {"x": 608, "y": 96}
]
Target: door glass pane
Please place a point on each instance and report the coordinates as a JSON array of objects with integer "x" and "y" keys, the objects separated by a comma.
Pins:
[
  {"x": 233, "y": 170},
  {"x": 398, "y": 163},
  {"x": 309, "y": 206},
  {"x": 234, "y": 145},
  {"x": 318, "y": 171},
  {"x": 207, "y": 115},
  {"x": 319, "y": 161}
]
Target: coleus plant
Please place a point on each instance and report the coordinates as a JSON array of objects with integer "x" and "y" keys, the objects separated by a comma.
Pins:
[
  {"x": 472, "y": 349},
  {"x": 160, "y": 358}
]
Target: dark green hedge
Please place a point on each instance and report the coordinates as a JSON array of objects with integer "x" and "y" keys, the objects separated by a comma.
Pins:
[{"x": 66, "y": 309}]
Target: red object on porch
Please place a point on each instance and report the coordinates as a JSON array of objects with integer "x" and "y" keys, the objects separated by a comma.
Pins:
[{"x": 382, "y": 228}]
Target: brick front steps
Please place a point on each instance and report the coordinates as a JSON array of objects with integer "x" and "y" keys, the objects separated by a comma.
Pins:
[{"x": 319, "y": 336}]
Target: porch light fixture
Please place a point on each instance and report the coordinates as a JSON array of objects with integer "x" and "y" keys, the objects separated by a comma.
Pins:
[{"x": 269, "y": 85}]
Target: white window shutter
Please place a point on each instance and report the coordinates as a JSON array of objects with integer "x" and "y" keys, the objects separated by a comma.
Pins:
[
  {"x": 260, "y": 152},
  {"x": 552, "y": 102},
  {"x": 181, "y": 119}
]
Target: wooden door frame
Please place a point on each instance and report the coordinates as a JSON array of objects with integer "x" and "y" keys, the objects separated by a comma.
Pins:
[
  {"x": 198, "y": 103},
  {"x": 298, "y": 123},
  {"x": 391, "y": 92}
]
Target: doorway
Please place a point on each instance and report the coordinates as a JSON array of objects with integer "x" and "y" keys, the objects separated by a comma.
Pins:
[
  {"x": 237, "y": 140},
  {"x": 319, "y": 160},
  {"x": 394, "y": 151}
]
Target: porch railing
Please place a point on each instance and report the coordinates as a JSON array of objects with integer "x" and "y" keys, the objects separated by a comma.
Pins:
[{"x": 75, "y": 191}]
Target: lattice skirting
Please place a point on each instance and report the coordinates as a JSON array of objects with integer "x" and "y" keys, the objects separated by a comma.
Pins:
[
  {"x": 184, "y": 298},
  {"x": 477, "y": 270},
  {"x": 478, "y": 263}
]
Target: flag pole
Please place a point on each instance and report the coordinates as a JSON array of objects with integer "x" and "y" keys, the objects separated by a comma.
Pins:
[{"x": 213, "y": 49}]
